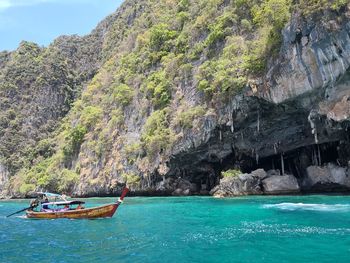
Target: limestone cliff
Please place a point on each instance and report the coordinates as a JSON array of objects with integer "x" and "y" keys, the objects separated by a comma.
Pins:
[{"x": 295, "y": 116}]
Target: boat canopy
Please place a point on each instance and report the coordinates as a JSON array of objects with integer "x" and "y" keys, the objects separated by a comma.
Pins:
[
  {"x": 49, "y": 194},
  {"x": 65, "y": 203}
]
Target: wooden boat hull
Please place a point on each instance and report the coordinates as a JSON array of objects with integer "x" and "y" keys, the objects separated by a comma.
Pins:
[{"x": 86, "y": 213}]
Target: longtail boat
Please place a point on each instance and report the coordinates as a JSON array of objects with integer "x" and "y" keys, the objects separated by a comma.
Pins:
[{"x": 43, "y": 209}]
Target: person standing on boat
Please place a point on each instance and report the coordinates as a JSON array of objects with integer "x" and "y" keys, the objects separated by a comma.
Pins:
[
  {"x": 44, "y": 203},
  {"x": 34, "y": 203},
  {"x": 80, "y": 207}
]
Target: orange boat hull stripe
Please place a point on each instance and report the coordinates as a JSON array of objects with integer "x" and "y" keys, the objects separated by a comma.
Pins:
[{"x": 86, "y": 213}]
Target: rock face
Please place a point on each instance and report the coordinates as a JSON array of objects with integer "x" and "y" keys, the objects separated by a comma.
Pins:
[
  {"x": 255, "y": 183},
  {"x": 298, "y": 116},
  {"x": 327, "y": 178},
  {"x": 244, "y": 184},
  {"x": 277, "y": 184},
  {"x": 4, "y": 177},
  {"x": 176, "y": 187},
  {"x": 313, "y": 57}
]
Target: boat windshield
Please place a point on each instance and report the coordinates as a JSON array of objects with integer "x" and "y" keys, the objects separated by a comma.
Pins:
[{"x": 51, "y": 196}]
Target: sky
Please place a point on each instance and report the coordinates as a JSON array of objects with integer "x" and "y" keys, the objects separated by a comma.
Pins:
[{"x": 41, "y": 21}]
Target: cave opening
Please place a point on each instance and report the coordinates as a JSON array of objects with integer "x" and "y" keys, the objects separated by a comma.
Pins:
[
  {"x": 207, "y": 174},
  {"x": 296, "y": 161},
  {"x": 292, "y": 162}
]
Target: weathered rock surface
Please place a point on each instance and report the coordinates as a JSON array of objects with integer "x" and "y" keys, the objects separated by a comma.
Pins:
[
  {"x": 276, "y": 184},
  {"x": 4, "y": 177},
  {"x": 177, "y": 187},
  {"x": 327, "y": 178},
  {"x": 299, "y": 113},
  {"x": 255, "y": 183},
  {"x": 244, "y": 184}
]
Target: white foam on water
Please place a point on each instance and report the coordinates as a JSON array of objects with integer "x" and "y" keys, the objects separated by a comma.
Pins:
[{"x": 309, "y": 207}]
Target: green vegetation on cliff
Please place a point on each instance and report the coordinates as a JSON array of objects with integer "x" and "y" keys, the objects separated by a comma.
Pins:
[
  {"x": 158, "y": 70},
  {"x": 231, "y": 173}
]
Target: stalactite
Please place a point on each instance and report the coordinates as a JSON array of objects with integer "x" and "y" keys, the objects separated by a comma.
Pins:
[
  {"x": 290, "y": 167},
  {"x": 319, "y": 155},
  {"x": 313, "y": 126},
  {"x": 258, "y": 123},
  {"x": 315, "y": 135},
  {"x": 275, "y": 147},
  {"x": 220, "y": 134},
  {"x": 142, "y": 181},
  {"x": 148, "y": 181},
  {"x": 256, "y": 157},
  {"x": 296, "y": 168},
  {"x": 315, "y": 159},
  {"x": 282, "y": 163}
]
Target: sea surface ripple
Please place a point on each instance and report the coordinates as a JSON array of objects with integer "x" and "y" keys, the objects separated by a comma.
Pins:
[{"x": 255, "y": 229}]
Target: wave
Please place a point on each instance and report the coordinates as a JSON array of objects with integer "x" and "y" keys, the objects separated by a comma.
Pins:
[
  {"x": 22, "y": 216},
  {"x": 309, "y": 207}
]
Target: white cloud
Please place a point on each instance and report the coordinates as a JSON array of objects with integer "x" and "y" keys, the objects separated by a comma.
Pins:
[{"x": 5, "y": 4}]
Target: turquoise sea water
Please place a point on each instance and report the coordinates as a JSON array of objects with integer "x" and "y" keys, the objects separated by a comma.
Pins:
[{"x": 191, "y": 229}]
